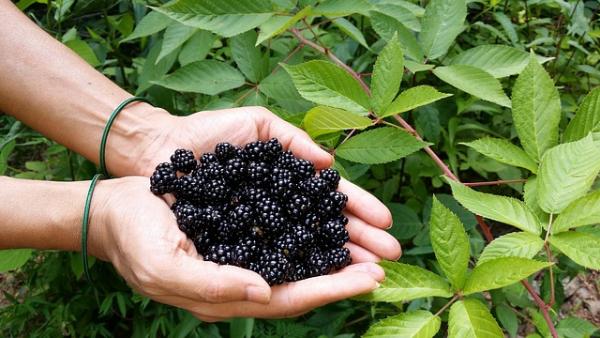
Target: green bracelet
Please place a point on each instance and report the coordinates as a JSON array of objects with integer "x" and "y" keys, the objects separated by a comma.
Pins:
[
  {"x": 85, "y": 224},
  {"x": 109, "y": 123}
]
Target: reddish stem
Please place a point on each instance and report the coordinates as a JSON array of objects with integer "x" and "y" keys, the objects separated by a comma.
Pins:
[
  {"x": 543, "y": 307},
  {"x": 500, "y": 182}
]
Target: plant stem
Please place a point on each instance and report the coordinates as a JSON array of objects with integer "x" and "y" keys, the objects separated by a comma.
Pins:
[
  {"x": 550, "y": 260},
  {"x": 500, "y": 182},
  {"x": 447, "y": 305},
  {"x": 543, "y": 307}
]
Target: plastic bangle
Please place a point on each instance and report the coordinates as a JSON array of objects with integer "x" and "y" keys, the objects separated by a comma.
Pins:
[
  {"x": 109, "y": 123},
  {"x": 85, "y": 225}
]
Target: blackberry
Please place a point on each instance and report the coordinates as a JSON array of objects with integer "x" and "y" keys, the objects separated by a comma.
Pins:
[
  {"x": 163, "y": 179},
  {"x": 318, "y": 263},
  {"x": 288, "y": 244},
  {"x": 256, "y": 151},
  {"x": 273, "y": 148},
  {"x": 333, "y": 203},
  {"x": 235, "y": 169},
  {"x": 242, "y": 216},
  {"x": 243, "y": 255},
  {"x": 189, "y": 187},
  {"x": 258, "y": 172},
  {"x": 252, "y": 195},
  {"x": 215, "y": 190},
  {"x": 203, "y": 239},
  {"x": 313, "y": 187},
  {"x": 187, "y": 216},
  {"x": 334, "y": 233},
  {"x": 303, "y": 235},
  {"x": 212, "y": 170},
  {"x": 304, "y": 169},
  {"x": 285, "y": 160},
  {"x": 339, "y": 258},
  {"x": 209, "y": 216},
  {"x": 282, "y": 183},
  {"x": 208, "y": 158},
  {"x": 183, "y": 160},
  {"x": 227, "y": 231},
  {"x": 312, "y": 220},
  {"x": 297, "y": 271},
  {"x": 272, "y": 266},
  {"x": 225, "y": 151},
  {"x": 297, "y": 206},
  {"x": 272, "y": 222},
  {"x": 220, "y": 254},
  {"x": 331, "y": 176}
]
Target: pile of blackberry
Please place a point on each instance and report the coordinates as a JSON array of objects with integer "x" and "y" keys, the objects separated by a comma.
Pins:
[{"x": 260, "y": 208}]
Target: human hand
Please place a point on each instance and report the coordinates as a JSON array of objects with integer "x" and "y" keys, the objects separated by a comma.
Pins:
[
  {"x": 200, "y": 132},
  {"x": 137, "y": 232}
]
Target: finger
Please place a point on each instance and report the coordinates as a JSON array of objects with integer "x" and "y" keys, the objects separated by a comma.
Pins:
[
  {"x": 360, "y": 254},
  {"x": 365, "y": 206},
  {"x": 212, "y": 283},
  {"x": 373, "y": 239},
  {"x": 294, "y": 139},
  {"x": 207, "y": 318}
]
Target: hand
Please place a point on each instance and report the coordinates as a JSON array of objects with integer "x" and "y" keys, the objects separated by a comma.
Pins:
[
  {"x": 200, "y": 132},
  {"x": 138, "y": 233}
]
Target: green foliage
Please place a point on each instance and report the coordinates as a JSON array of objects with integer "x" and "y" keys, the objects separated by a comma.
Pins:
[
  {"x": 415, "y": 324},
  {"x": 470, "y": 318}
]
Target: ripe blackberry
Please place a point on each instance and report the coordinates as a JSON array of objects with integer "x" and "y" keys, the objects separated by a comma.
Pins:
[
  {"x": 282, "y": 183},
  {"x": 189, "y": 187},
  {"x": 273, "y": 148},
  {"x": 235, "y": 169},
  {"x": 285, "y": 160},
  {"x": 304, "y": 169},
  {"x": 243, "y": 255},
  {"x": 272, "y": 222},
  {"x": 331, "y": 176},
  {"x": 255, "y": 151},
  {"x": 334, "y": 233},
  {"x": 313, "y": 187},
  {"x": 209, "y": 216},
  {"x": 312, "y": 221},
  {"x": 258, "y": 172},
  {"x": 220, "y": 254},
  {"x": 212, "y": 170},
  {"x": 297, "y": 206},
  {"x": 288, "y": 244},
  {"x": 215, "y": 190},
  {"x": 242, "y": 216},
  {"x": 225, "y": 151},
  {"x": 163, "y": 179},
  {"x": 183, "y": 160},
  {"x": 303, "y": 235},
  {"x": 187, "y": 216},
  {"x": 339, "y": 258},
  {"x": 208, "y": 158},
  {"x": 252, "y": 195},
  {"x": 333, "y": 203},
  {"x": 318, "y": 263},
  {"x": 297, "y": 271},
  {"x": 203, "y": 239},
  {"x": 272, "y": 266}
]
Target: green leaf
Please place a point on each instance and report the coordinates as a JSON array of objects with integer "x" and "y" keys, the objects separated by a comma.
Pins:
[
  {"x": 225, "y": 18},
  {"x": 175, "y": 36},
  {"x": 583, "y": 211},
  {"x": 503, "y": 151},
  {"x": 503, "y": 209},
  {"x": 498, "y": 60},
  {"x": 442, "y": 23},
  {"x": 566, "y": 173},
  {"x": 387, "y": 75},
  {"x": 152, "y": 23},
  {"x": 406, "y": 282},
  {"x": 587, "y": 118},
  {"x": 500, "y": 272},
  {"x": 351, "y": 30},
  {"x": 413, "y": 98},
  {"x": 573, "y": 327},
  {"x": 248, "y": 57},
  {"x": 413, "y": 324},
  {"x": 322, "y": 120},
  {"x": 530, "y": 196},
  {"x": 84, "y": 51},
  {"x": 508, "y": 319},
  {"x": 335, "y": 8},
  {"x": 400, "y": 13},
  {"x": 324, "y": 83},
  {"x": 152, "y": 71},
  {"x": 450, "y": 243},
  {"x": 208, "y": 77},
  {"x": 241, "y": 327},
  {"x": 279, "y": 24},
  {"x": 469, "y": 318},
  {"x": 474, "y": 81},
  {"x": 13, "y": 259},
  {"x": 197, "y": 47},
  {"x": 515, "y": 244},
  {"x": 386, "y": 27},
  {"x": 582, "y": 248},
  {"x": 536, "y": 109},
  {"x": 379, "y": 145},
  {"x": 279, "y": 87}
]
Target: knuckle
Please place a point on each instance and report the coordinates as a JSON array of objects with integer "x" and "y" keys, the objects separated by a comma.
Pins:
[{"x": 214, "y": 292}]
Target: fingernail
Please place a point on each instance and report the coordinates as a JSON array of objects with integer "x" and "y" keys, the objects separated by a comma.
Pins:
[
  {"x": 377, "y": 285},
  {"x": 374, "y": 270},
  {"x": 258, "y": 294}
]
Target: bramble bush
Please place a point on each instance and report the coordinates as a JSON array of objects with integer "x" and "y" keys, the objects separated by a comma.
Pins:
[{"x": 413, "y": 98}]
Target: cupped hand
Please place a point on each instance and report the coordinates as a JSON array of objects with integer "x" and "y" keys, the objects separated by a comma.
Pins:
[
  {"x": 200, "y": 132},
  {"x": 137, "y": 232}
]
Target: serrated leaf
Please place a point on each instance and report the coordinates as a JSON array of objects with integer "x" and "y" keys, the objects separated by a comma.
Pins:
[
  {"x": 583, "y": 211},
  {"x": 335, "y": 8},
  {"x": 530, "y": 196},
  {"x": 322, "y": 120},
  {"x": 400, "y": 13},
  {"x": 386, "y": 26},
  {"x": 175, "y": 36},
  {"x": 351, "y": 30},
  {"x": 450, "y": 243},
  {"x": 413, "y": 324},
  {"x": 442, "y": 23},
  {"x": 379, "y": 145},
  {"x": 208, "y": 77},
  {"x": 406, "y": 282},
  {"x": 154, "y": 71},
  {"x": 503, "y": 151},
  {"x": 153, "y": 22},
  {"x": 498, "y": 60},
  {"x": 387, "y": 75},
  {"x": 413, "y": 98},
  {"x": 469, "y": 318},
  {"x": 196, "y": 48},
  {"x": 503, "y": 209},
  {"x": 13, "y": 259},
  {"x": 573, "y": 327},
  {"x": 515, "y": 244},
  {"x": 474, "y": 81},
  {"x": 225, "y": 18},
  {"x": 500, "y": 272},
  {"x": 587, "y": 118},
  {"x": 536, "y": 109},
  {"x": 248, "y": 57},
  {"x": 279, "y": 87},
  {"x": 84, "y": 51},
  {"x": 582, "y": 248},
  {"x": 324, "y": 83},
  {"x": 566, "y": 173},
  {"x": 279, "y": 24},
  {"x": 508, "y": 319}
]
